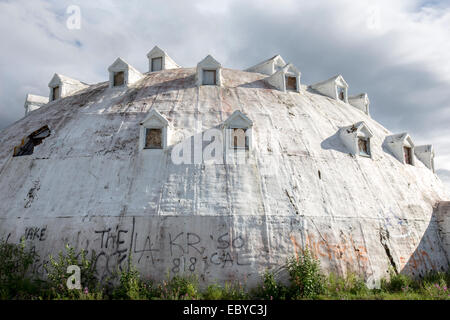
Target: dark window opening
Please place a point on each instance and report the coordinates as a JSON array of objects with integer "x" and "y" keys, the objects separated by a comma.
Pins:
[
  {"x": 364, "y": 147},
  {"x": 291, "y": 83},
  {"x": 119, "y": 78},
  {"x": 157, "y": 64},
  {"x": 408, "y": 155},
  {"x": 240, "y": 140},
  {"x": 153, "y": 139},
  {"x": 27, "y": 146},
  {"x": 55, "y": 93},
  {"x": 209, "y": 77},
  {"x": 341, "y": 93}
]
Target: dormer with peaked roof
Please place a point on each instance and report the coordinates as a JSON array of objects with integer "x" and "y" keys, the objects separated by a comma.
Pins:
[
  {"x": 357, "y": 139},
  {"x": 209, "y": 72},
  {"x": 154, "y": 131},
  {"x": 238, "y": 131},
  {"x": 360, "y": 101},
  {"x": 122, "y": 74},
  {"x": 425, "y": 154},
  {"x": 159, "y": 60},
  {"x": 34, "y": 102},
  {"x": 335, "y": 87},
  {"x": 269, "y": 66},
  {"x": 402, "y": 147},
  {"x": 62, "y": 86},
  {"x": 286, "y": 79}
]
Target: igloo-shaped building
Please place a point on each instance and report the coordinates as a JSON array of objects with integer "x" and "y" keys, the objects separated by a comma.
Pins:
[{"x": 101, "y": 173}]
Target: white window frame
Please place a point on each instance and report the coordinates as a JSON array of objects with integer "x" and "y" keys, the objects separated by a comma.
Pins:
[{"x": 160, "y": 123}]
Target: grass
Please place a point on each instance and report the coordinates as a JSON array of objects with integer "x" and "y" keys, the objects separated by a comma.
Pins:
[{"x": 306, "y": 281}]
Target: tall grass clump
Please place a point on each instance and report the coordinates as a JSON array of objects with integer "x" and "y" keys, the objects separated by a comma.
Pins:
[{"x": 15, "y": 267}]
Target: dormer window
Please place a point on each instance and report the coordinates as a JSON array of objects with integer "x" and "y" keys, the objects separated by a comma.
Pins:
[
  {"x": 341, "y": 93},
  {"x": 209, "y": 72},
  {"x": 269, "y": 66},
  {"x": 356, "y": 138},
  {"x": 286, "y": 79},
  {"x": 156, "y": 64},
  {"x": 153, "y": 133},
  {"x": 153, "y": 138},
  {"x": 239, "y": 138},
  {"x": 364, "y": 147},
  {"x": 159, "y": 60},
  {"x": 34, "y": 102},
  {"x": 360, "y": 101},
  {"x": 119, "y": 78},
  {"x": 61, "y": 86},
  {"x": 122, "y": 74},
  {"x": 401, "y": 147},
  {"x": 55, "y": 93},
  {"x": 407, "y": 151},
  {"x": 291, "y": 83},
  {"x": 425, "y": 154},
  {"x": 335, "y": 88},
  {"x": 209, "y": 77},
  {"x": 238, "y": 132}
]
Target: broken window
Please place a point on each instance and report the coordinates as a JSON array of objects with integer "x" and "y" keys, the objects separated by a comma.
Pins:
[
  {"x": 291, "y": 83},
  {"x": 239, "y": 138},
  {"x": 341, "y": 93},
  {"x": 209, "y": 77},
  {"x": 153, "y": 139},
  {"x": 157, "y": 64},
  {"x": 119, "y": 78},
  {"x": 364, "y": 147},
  {"x": 55, "y": 93},
  {"x": 408, "y": 155},
  {"x": 27, "y": 146}
]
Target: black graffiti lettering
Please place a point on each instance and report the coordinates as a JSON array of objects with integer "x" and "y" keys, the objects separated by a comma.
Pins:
[
  {"x": 226, "y": 259},
  {"x": 110, "y": 236},
  {"x": 172, "y": 243},
  {"x": 103, "y": 232},
  {"x": 193, "y": 261},
  {"x": 43, "y": 235},
  {"x": 192, "y": 244},
  {"x": 214, "y": 259},
  {"x": 238, "y": 242},
  {"x": 119, "y": 242},
  {"x": 35, "y": 233},
  {"x": 223, "y": 244},
  {"x": 176, "y": 263},
  {"x": 146, "y": 249}
]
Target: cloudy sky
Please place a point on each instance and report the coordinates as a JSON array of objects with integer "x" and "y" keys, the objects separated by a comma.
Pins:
[{"x": 396, "y": 51}]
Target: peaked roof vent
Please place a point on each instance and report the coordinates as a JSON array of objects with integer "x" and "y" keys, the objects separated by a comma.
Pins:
[
  {"x": 360, "y": 101},
  {"x": 158, "y": 60},
  {"x": 34, "y": 102},
  {"x": 335, "y": 87},
  {"x": 209, "y": 64},
  {"x": 63, "y": 86},
  {"x": 425, "y": 154},
  {"x": 397, "y": 143},
  {"x": 287, "y": 78},
  {"x": 128, "y": 74},
  {"x": 269, "y": 66}
]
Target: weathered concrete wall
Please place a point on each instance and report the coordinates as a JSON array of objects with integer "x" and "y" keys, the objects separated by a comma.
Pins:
[
  {"x": 90, "y": 185},
  {"x": 443, "y": 219}
]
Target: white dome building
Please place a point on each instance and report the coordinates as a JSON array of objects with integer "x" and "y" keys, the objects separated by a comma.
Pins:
[{"x": 220, "y": 173}]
